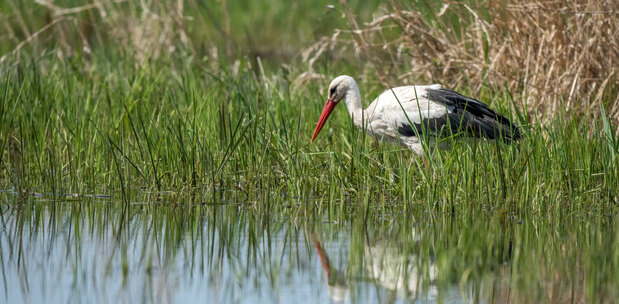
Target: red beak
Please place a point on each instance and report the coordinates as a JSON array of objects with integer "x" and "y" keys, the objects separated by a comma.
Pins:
[{"x": 326, "y": 111}]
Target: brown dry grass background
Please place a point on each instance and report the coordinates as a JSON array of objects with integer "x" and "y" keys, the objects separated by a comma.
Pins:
[
  {"x": 141, "y": 29},
  {"x": 553, "y": 56}
]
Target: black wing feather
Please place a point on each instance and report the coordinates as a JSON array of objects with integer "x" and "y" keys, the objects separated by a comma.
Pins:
[
  {"x": 436, "y": 126},
  {"x": 468, "y": 117}
]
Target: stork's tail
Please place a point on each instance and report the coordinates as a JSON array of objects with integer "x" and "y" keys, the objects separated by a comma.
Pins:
[{"x": 508, "y": 131}]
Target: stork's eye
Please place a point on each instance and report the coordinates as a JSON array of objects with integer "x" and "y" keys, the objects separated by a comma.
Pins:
[{"x": 332, "y": 91}]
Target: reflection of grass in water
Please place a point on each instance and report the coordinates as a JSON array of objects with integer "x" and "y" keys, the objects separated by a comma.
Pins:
[{"x": 487, "y": 259}]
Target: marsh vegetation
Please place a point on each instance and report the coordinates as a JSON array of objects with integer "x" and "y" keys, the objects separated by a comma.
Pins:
[{"x": 160, "y": 152}]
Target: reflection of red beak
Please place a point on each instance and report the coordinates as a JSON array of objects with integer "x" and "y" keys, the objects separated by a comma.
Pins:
[
  {"x": 323, "y": 256},
  {"x": 326, "y": 111}
]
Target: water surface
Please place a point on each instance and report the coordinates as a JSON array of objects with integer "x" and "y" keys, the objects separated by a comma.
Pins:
[{"x": 96, "y": 250}]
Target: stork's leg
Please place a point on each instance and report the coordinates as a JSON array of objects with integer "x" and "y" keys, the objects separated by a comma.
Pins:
[
  {"x": 415, "y": 145},
  {"x": 425, "y": 161}
]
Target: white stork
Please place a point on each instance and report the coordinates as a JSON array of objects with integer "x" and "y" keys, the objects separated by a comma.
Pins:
[{"x": 409, "y": 112}]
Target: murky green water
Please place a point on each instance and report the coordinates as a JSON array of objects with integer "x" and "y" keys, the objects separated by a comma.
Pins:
[{"x": 93, "y": 250}]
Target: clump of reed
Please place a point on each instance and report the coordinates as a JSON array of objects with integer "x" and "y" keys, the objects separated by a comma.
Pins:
[{"x": 553, "y": 56}]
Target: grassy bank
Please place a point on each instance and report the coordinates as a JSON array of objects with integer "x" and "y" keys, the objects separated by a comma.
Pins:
[{"x": 113, "y": 127}]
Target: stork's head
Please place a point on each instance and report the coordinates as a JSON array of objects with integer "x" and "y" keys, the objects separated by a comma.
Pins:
[{"x": 337, "y": 92}]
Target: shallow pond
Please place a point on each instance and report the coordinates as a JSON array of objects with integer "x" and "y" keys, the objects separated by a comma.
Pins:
[{"x": 93, "y": 250}]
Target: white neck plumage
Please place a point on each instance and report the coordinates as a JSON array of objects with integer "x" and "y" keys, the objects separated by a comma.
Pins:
[{"x": 353, "y": 103}]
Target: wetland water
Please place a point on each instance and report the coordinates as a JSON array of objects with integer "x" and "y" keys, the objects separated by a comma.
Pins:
[{"x": 80, "y": 251}]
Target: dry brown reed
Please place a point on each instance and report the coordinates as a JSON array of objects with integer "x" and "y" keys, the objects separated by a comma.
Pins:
[
  {"x": 553, "y": 56},
  {"x": 143, "y": 29}
]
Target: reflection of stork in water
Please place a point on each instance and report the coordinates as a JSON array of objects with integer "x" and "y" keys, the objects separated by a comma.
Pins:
[{"x": 387, "y": 267}]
